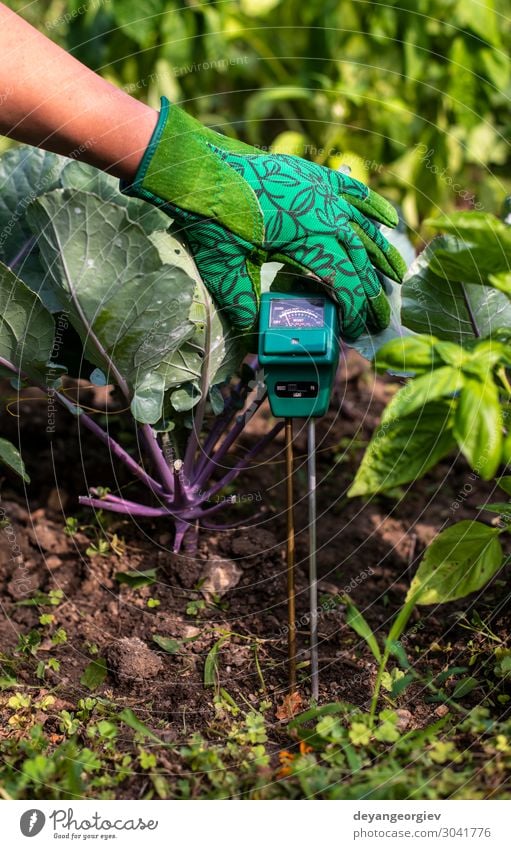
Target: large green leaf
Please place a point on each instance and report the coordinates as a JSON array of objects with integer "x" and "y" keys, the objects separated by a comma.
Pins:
[
  {"x": 440, "y": 383},
  {"x": 478, "y": 425},
  {"x": 459, "y": 561},
  {"x": 403, "y": 450},
  {"x": 414, "y": 354},
  {"x": 480, "y": 247},
  {"x": 26, "y": 327},
  {"x": 26, "y": 341},
  {"x": 130, "y": 309},
  {"x": 25, "y": 173},
  {"x": 457, "y": 311},
  {"x": 79, "y": 176},
  {"x": 226, "y": 348},
  {"x": 215, "y": 350}
]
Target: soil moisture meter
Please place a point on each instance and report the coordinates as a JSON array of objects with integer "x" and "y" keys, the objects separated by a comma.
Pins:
[{"x": 299, "y": 354}]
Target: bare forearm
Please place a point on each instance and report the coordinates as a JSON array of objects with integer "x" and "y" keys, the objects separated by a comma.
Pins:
[{"x": 52, "y": 101}]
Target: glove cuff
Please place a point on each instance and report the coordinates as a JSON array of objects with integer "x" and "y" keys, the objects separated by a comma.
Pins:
[
  {"x": 135, "y": 188},
  {"x": 180, "y": 171}
]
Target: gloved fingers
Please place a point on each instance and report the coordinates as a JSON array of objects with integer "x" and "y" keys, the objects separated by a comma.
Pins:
[
  {"x": 330, "y": 263},
  {"x": 364, "y": 199},
  {"x": 378, "y": 312},
  {"x": 382, "y": 253},
  {"x": 378, "y": 307},
  {"x": 374, "y": 206}
]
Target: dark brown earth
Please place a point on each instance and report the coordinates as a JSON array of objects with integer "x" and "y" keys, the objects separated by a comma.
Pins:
[{"x": 368, "y": 550}]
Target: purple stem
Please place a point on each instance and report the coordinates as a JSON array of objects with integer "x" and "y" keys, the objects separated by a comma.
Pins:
[
  {"x": 158, "y": 457},
  {"x": 231, "y": 437},
  {"x": 112, "y": 498},
  {"x": 209, "y": 443},
  {"x": 191, "y": 539},
  {"x": 127, "y": 507},
  {"x": 7, "y": 364},
  {"x": 198, "y": 512},
  {"x": 94, "y": 490},
  {"x": 233, "y": 473},
  {"x": 182, "y": 490},
  {"x": 210, "y": 466},
  {"x": 120, "y": 453},
  {"x": 181, "y": 529},
  {"x": 23, "y": 252}
]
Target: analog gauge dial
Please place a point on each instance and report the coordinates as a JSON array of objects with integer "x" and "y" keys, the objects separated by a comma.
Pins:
[{"x": 297, "y": 312}]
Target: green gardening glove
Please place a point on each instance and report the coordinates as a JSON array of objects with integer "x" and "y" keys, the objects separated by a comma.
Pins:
[{"x": 240, "y": 207}]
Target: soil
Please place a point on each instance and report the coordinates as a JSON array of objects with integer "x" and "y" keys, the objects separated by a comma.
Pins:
[{"x": 369, "y": 550}]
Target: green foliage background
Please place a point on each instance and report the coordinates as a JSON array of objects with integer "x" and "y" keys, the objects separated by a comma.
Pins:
[{"x": 414, "y": 94}]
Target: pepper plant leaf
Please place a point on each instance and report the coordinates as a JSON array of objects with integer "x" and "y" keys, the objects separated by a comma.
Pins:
[
  {"x": 440, "y": 383},
  {"x": 459, "y": 561},
  {"x": 405, "y": 449},
  {"x": 458, "y": 311},
  {"x": 478, "y": 425}
]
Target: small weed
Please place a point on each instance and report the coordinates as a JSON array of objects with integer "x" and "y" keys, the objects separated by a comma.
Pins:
[
  {"x": 152, "y": 603},
  {"x": 194, "y": 607}
]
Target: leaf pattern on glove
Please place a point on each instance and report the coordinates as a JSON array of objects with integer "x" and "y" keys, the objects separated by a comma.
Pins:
[
  {"x": 307, "y": 221},
  {"x": 240, "y": 207}
]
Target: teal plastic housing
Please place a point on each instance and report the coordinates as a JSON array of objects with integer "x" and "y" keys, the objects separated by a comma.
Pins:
[{"x": 299, "y": 360}]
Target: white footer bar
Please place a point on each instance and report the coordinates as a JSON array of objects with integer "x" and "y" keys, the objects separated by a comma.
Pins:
[{"x": 250, "y": 824}]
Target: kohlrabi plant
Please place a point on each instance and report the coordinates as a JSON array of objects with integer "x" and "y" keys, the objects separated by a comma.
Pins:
[{"x": 74, "y": 250}]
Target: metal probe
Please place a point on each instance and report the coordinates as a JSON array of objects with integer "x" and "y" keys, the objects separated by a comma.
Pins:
[
  {"x": 298, "y": 350},
  {"x": 290, "y": 549},
  {"x": 313, "y": 576}
]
